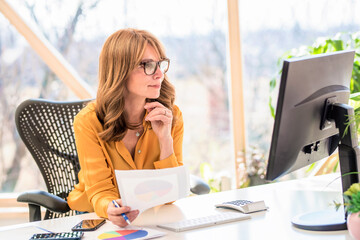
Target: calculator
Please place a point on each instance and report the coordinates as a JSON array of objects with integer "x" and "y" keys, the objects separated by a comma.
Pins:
[
  {"x": 244, "y": 206},
  {"x": 58, "y": 236}
]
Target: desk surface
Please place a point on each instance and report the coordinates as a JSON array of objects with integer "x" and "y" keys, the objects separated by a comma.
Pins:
[{"x": 285, "y": 200}]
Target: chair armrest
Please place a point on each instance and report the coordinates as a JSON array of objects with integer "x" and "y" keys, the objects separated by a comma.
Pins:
[
  {"x": 198, "y": 186},
  {"x": 44, "y": 199}
]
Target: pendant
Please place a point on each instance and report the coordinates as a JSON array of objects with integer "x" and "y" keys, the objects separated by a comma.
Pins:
[{"x": 137, "y": 134}]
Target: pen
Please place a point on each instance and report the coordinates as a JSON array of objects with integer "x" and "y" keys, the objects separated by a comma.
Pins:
[
  {"x": 44, "y": 229},
  {"x": 123, "y": 214}
]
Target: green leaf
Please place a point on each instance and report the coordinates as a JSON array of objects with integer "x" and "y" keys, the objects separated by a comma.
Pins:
[
  {"x": 272, "y": 109},
  {"x": 311, "y": 167},
  {"x": 335, "y": 166},
  {"x": 354, "y": 203},
  {"x": 355, "y": 96},
  {"x": 337, "y": 205},
  {"x": 337, "y": 44},
  {"x": 354, "y": 189},
  {"x": 272, "y": 84}
]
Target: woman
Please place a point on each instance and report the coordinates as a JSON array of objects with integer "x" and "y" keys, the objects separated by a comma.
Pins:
[{"x": 132, "y": 124}]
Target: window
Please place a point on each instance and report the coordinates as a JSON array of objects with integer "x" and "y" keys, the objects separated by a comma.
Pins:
[
  {"x": 194, "y": 35},
  {"x": 268, "y": 30}
]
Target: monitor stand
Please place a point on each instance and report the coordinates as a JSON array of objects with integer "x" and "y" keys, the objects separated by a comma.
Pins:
[
  {"x": 327, "y": 220},
  {"x": 349, "y": 160}
]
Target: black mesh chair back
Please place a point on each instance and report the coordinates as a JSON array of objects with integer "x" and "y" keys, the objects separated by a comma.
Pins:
[{"x": 46, "y": 128}]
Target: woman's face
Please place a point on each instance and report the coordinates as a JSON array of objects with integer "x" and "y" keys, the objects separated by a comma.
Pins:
[{"x": 140, "y": 85}]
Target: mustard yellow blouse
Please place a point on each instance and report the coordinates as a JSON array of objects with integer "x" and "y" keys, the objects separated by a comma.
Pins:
[{"x": 97, "y": 184}]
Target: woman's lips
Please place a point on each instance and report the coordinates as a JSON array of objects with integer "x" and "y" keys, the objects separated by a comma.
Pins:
[{"x": 155, "y": 86}]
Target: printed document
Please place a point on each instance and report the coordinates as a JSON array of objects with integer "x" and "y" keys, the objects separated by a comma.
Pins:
[{"x": 143, "y": 189}]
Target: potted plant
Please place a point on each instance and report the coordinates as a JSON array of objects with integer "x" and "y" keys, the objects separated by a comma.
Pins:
[{"x": 352, "y": 207}]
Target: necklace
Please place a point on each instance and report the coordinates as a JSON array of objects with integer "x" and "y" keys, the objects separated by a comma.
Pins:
[{"x": 138, "y": 132}]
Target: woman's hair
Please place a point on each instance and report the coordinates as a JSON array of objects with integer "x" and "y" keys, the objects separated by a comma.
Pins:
[{"x": 120, "y": 55}]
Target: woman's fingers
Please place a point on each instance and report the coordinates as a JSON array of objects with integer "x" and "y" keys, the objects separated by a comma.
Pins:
[
  {"x": 132, "y": 215},
  {"x": 157, "y": 112},
  {"x": 118, "y": 211},
  {"x": 166, "y": 119},
  {"x": 156, "y": 107},
  {"x": 151, "y": 105},
  {"x": 119, "y": 219},
  {"x": 115, "y": 214},
  {"x": 160, "y": 118}
]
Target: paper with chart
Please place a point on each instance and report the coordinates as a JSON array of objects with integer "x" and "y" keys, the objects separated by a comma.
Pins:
[
  {"x": 143, "y": 189},
  {"x": 131, "y": 232}
]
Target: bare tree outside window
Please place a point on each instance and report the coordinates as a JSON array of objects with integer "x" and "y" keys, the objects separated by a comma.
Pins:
[{"x": 23, "y": 75}]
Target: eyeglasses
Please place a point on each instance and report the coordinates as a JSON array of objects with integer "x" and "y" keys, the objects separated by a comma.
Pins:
[{"x": 151, "y": 66}]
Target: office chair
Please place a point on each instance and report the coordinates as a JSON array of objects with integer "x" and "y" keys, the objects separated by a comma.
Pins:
[{"x": 46, "y": 128}]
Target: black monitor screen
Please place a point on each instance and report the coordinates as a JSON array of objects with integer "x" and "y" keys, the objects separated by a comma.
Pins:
[
  {"x": 313, "y": 120},
  {"x": 300, "y": 135}
]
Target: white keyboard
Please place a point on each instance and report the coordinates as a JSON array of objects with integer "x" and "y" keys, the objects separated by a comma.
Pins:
[{"x": 206, "y": 221}]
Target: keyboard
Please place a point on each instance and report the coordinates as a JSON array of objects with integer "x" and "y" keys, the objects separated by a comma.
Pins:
[{"x": 205, "y": 221}]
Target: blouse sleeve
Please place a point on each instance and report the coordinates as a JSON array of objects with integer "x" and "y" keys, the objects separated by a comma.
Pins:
[{"x": 98, "y": 177}]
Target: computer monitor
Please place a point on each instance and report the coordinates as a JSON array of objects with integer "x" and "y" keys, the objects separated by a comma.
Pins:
[{"x": 310, "y": 123}]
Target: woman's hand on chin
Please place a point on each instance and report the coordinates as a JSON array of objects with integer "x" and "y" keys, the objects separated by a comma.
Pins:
[{"x": 161, "y": 120}]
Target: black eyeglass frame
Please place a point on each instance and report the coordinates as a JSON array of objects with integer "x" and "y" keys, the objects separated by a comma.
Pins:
[{"x": 143, "y": 64}]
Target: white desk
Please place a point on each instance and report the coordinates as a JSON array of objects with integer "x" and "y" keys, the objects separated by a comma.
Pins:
[{"x": 284, "y": 200}]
